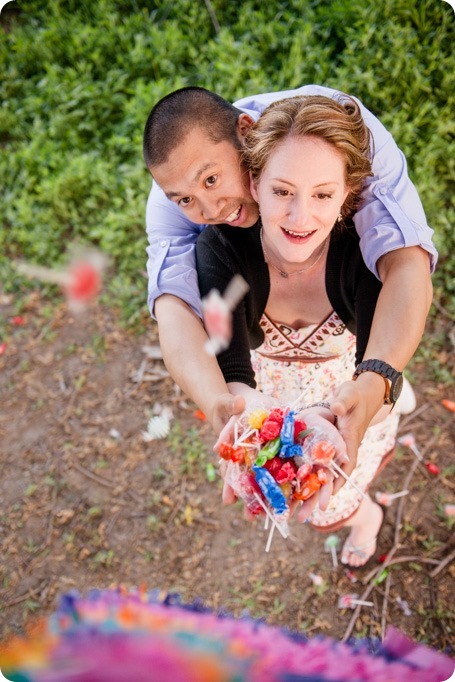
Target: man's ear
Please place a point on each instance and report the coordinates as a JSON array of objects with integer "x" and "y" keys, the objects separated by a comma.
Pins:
[
  {"x": 244, "y": 123},
  {"x": 253, "y": 188}
]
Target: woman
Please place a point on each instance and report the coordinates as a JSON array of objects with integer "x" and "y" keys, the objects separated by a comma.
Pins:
[{"x": 311, "y": 300}]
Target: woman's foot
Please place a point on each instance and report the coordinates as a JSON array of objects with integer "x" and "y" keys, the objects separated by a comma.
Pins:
[{"x": 361, "y": 543}]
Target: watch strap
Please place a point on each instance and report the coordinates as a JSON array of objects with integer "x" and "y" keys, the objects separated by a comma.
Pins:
[{"x": 388, "y": 373}]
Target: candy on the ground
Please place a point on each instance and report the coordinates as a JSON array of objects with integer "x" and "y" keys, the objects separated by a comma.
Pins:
[
  {"x": 330, "y": 545},
  {"x": 386, "y": 499},
  {"x": 448, "y": 404},
  {"x": 350, "y": 601}
]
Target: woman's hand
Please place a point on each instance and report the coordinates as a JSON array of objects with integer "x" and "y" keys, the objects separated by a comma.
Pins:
[
  {"x": 313, "y": 420},
  {"x": 356, "y": 405},
  {"x": 226, "y": 409},
  {"x": 324, "y": 424}
]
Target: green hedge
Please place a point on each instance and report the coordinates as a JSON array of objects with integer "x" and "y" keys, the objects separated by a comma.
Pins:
[{"x": 79, "y": 78}]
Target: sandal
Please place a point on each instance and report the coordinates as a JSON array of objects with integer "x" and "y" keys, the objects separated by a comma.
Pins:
[{"x": 360, "y": 550}]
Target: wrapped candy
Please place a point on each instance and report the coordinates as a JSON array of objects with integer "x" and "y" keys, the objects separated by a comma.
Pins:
[
  {"x": 271, "y": 490},
  {"x": 217, "y": 314},
  {"x": 81, "y": 280},
  {"x": 274, "y": 462},
  {"x": 448, "y": 404}
]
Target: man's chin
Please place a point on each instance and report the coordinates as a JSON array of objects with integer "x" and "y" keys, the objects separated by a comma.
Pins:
[{"x": 250, "y": 218}]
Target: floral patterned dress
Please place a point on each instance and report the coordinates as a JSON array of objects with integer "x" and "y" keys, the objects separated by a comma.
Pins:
[{"x": 312, "y": 362}]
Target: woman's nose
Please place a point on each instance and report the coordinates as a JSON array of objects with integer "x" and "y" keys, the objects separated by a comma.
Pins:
[{"x": 298, "y": 212}]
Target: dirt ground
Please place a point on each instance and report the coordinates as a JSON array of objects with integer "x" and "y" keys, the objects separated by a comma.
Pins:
[{"x": 85, "y": 502}]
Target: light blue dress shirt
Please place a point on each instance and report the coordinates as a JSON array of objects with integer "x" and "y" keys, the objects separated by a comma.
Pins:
[{"x": 391, "y": 216}]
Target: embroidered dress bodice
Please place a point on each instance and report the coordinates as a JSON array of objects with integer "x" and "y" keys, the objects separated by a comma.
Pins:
[
  {"x": 313, "y": 343},
  {"x": 309, "y": 364}
]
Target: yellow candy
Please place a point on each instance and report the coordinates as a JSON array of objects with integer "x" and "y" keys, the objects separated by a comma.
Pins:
[
  {"x": 256, "y": 419},
  {"x": 286, "y": 489}
]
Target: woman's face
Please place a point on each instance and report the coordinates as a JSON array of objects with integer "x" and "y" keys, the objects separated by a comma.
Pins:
[{"x": 300, "y": 193}]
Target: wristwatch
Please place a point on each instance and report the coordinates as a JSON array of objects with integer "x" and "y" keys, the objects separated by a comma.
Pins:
[{"x": 392, "y": 378}]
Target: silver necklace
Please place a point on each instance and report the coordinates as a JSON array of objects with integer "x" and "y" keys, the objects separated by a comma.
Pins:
[{"x": 297, "y": 272}]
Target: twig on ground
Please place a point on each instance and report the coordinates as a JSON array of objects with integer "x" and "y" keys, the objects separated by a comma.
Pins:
[
  {"x": 90, "y": 474},
  {"x": 401, "y": 560},
  {"x": 442, "y": 310},
  {"x": 411, "y": 417},
  {"x": 396, "y": 540},
  {"x": 178, "y": 504},
  {"x": 384, "y": 605},
  {"x": 27, "y": 595},
  {"x": 442, "y": 564},
  {"x": 50, "y": 522}
]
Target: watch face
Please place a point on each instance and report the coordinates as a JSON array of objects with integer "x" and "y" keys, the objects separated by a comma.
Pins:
[{"x": 396, "y": 388}]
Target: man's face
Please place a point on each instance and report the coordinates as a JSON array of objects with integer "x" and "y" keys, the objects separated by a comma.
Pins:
[{"x": 208, "y": 182}]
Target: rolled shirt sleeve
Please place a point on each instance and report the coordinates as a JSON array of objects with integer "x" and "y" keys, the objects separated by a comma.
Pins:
[
  {"x": 391, "y": 216},
  {"x": 171, "y": 263}
]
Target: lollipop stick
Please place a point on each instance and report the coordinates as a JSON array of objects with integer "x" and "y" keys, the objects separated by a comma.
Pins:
[
  {"x": 235, "y": 291},
  {"x": 244, "y": 436},
  {"x": 282, "y": 532},
  {"x": 347, "y": 478},
  {"x": 269, "y": 540},
  {"x": 43, "y": 274},
  {"x": 360, "y": 602},
  {"x": 334, "y": 557},
  {"x": 297, "y": 401}
]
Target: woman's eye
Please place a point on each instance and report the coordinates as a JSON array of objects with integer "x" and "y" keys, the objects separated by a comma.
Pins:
[
  {"x": 323, "y": 196},
  {"x": 210, "y": 180},
  {"x": 281, "y": 192}
]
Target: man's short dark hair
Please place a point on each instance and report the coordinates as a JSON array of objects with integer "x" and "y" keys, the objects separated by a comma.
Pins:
[{"x": 172, "y": 118}]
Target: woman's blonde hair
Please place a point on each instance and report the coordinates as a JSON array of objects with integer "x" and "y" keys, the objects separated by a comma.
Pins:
[{"x": 338, "y": 123}]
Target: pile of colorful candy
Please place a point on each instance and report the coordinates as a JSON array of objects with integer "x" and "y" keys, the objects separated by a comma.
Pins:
[
  {"x": 119, "y": 636},
  {"x": 276, "y": 461}
]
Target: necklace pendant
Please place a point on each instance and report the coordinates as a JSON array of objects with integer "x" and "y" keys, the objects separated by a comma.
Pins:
[{"x": 284, "y": 274}]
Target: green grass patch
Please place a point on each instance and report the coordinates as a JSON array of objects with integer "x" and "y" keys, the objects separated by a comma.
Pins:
[{"x": 79, "y": 78}]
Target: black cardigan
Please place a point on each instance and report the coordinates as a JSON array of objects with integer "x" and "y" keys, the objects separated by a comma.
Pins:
[{"x": 223, "y": 251}]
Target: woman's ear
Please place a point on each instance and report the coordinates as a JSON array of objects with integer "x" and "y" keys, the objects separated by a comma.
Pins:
[
  {"x": 244, "y": 123},
  {"x": 254, "y": 187}
]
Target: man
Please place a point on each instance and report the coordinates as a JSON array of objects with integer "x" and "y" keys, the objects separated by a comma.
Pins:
[{"x": 192, "y": 147}]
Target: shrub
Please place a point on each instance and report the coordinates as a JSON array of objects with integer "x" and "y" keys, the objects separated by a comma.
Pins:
[{"x": 79, "y": 78}]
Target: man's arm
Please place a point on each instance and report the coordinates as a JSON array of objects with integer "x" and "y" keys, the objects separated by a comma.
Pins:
[
  {"x": 171, "y": 264},
  {"x": 398, "y": 325},
  {"x": 182, "y": 339}
]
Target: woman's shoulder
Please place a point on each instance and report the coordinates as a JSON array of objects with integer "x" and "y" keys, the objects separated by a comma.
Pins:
[
  {"x": 345, "y": 247},
  {"x": 236, "y": 244}
]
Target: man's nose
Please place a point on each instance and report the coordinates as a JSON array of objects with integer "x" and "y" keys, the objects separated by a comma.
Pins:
[{"x": 212, "y": 208}]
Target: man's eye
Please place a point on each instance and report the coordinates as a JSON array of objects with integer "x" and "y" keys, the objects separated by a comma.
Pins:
[
  {"x": 185, "y": 201},
  {"x": 210, "y": 181}
]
